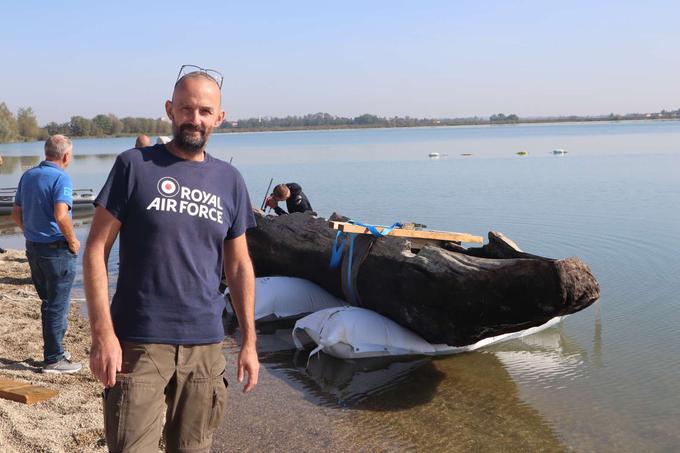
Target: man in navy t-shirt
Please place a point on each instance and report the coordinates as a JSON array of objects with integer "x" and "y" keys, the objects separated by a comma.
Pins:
[
  {"x": 181, "y": 215},
  {"x": 42, "y": 209}
]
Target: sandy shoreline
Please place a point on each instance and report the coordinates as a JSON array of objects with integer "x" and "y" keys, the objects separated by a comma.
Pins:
[{"x": 73, "y": 421}]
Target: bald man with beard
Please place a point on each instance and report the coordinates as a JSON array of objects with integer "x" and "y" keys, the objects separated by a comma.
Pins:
[{"x": 181, "y": 215}]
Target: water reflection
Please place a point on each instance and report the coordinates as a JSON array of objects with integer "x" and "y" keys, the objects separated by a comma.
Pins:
[
  {"x": 597, "y": 337},
  {"x": 547, "y": 356},
  {"x": 474, "y": 405},
  {"x": 18, "y": 164},
  {"x": 82, "y": 219},
  {"x": 466, "y": 401},
  {"x": 350, "y": 382},
  {"x": 550, "y": 359},
  {"x": 82, "y": 164}
]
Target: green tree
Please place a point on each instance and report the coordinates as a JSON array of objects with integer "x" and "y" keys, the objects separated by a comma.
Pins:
[
  {"x": 117, "y": 125},
  {"x": 27, "y": 124},
  {"x": 366, "y": 118},
  {"x": 80, "y": 127},
  {"x": 9, "y": 130},
  {"x": 102, "y": 125},
  {"x": 131, "y": 125},
  {"x": 164, "y": 127},
  {"x": 53, "y": 128}
]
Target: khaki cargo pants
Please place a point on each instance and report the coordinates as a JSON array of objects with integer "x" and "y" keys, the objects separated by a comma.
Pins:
[{"x": 190, "y": 379}]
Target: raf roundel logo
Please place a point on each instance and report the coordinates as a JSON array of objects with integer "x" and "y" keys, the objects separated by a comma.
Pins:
[{"x": 168, "y": 187}]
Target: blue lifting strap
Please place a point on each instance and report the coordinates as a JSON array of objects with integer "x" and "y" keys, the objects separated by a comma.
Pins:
[
  {"x": 338, "y": 249},
  {"x": 374, "y": 231},
  {"x": 341, "y": 240},
  {"x": 352, "y": 297}
]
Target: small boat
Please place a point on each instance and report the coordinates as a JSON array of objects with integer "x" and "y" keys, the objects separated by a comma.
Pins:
[
  {"x": 522, "y": 153},
  {"x": 433, "y": 155},
  {"x": 559, "y": 151},
  {"x": 162, "y": 140},
  {"x": 466, "y": 154},
  {"x": 82, "y": 199}
]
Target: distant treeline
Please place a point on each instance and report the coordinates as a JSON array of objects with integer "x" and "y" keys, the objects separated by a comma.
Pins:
[
  {"x": 24, "y": 126},
  {"x": 326, "y": 120},
  {"x": 319, "y": 120}
]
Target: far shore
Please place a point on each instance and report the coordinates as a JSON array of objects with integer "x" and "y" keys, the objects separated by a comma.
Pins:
[{"x": 236, "y": 130}]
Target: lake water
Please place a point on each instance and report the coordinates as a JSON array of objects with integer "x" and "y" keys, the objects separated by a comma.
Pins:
[{"x": 605, "y": 379}]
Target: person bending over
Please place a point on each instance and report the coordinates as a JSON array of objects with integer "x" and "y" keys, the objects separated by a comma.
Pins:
[{"x": 292, "y": 194}]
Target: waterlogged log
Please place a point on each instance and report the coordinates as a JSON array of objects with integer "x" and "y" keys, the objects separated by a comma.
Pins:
[{"x": 456, "y": 297}]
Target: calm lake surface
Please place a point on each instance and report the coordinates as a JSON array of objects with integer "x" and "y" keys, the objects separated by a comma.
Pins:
[{"x": 605, "y": 379}]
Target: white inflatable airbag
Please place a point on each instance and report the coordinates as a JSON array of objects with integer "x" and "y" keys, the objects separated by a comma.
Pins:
[
  {"x": 288, "y": 297},
  {"x": 352, "y": 332}
]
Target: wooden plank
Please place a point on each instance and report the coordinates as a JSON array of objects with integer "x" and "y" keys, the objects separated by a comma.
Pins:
[
  {"x": 445, "y": 236},
  {"x": 23, "y": 392},
  {"x": 9, "y": 384}
]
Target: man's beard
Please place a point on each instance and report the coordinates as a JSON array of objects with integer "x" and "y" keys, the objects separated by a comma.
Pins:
[{"x": 188, "y": 142}]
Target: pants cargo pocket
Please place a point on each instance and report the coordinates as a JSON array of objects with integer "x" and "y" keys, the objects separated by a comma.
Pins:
[
  {"x": 219, "y": 402},
  {"x": 114, "y": 399},
  {"x": 130, "y": 415}
]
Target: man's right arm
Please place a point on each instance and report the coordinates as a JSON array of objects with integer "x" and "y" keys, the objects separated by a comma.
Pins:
[
  {"x": 272, "y": 203},
  {"x": 105, "y": 351},
  {"x": 17, "y": 216},
  {"x": 66, "y": 226}
]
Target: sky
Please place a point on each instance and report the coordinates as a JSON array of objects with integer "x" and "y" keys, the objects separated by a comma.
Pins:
[{"x": 390, "y": 58}]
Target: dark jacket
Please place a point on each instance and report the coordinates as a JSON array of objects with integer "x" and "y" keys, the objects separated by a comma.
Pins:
[{"x": 297, "y": 202}]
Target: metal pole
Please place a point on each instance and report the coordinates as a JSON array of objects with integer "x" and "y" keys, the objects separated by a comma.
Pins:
[{"x": 271, "y": 181}]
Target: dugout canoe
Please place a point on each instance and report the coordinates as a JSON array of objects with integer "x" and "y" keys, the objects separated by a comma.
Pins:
[{"x": 447, "y": 294}]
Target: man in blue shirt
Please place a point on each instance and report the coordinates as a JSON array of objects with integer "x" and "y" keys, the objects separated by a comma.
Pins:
[{"x": 42, "y": 209}]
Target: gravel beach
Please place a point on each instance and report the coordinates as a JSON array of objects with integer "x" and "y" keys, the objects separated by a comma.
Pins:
[{"x": 274, "y": 416}]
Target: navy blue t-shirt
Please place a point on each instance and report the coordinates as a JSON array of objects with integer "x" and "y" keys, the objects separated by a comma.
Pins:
[{"x": 175, "y": 215}]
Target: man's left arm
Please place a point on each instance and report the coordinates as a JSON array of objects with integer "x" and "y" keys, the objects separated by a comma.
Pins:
[{"x": 241, "y": 278}]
